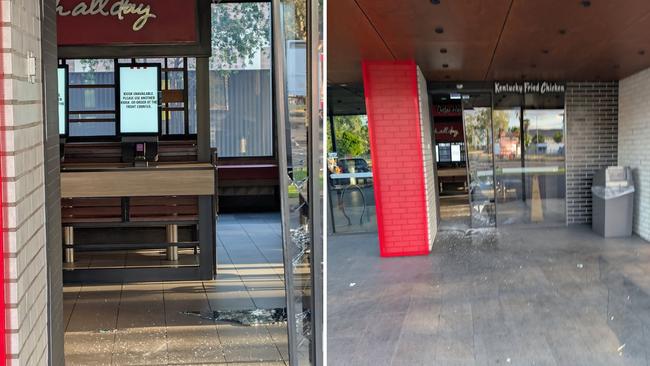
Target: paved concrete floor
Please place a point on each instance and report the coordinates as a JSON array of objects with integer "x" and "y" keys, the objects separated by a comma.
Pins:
[
  {"x": 144, "y": 324},
  {"x": 561, "y": 296}
]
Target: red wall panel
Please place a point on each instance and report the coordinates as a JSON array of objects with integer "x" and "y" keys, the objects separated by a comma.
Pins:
[
  {"x": 86, "y": 22},
  {"x": 393, "y": 111}
]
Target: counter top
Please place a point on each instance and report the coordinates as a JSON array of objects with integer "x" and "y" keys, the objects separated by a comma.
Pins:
[{"x": 112, "y": 180}]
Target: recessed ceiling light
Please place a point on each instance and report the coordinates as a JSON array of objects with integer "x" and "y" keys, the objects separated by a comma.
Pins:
[
  {"x": 445, "y": 65},
  {"x": 545, "y": 51},
  {"x": 562, "y": 31},
  {"x": 344, "y": 85},
  {"x": 440, "y": 30},
  {"x": 447, "y": 77},
  {"x": 435, "y": 2},
  {"x": 641, "y": 52},
  {"x": 585, "y": 3},
  {"x": 443, "y": 50}
]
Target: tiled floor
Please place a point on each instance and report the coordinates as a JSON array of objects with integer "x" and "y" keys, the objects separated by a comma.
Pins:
[
  {"x": 144, "y": 324},
  {"x": 561, "y": 296}
]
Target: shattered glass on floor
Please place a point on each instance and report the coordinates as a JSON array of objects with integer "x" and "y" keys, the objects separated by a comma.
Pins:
[{"x": 249, "y": 318}]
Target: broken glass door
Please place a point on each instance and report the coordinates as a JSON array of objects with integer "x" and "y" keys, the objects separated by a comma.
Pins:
[
  {"x": 297, "y": 127},
  {"x": 477, "y": 120}
]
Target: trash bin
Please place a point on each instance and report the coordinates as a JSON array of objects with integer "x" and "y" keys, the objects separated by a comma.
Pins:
[{"x": 613, "y": 202}]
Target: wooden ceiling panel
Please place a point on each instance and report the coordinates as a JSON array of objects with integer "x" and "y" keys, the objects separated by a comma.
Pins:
[
  {"x": 464, "y": 61},
  {"x": 351, "y": 38},
  {"x": 492, "y": 40},
  {"x": 409, "y": 29},
  {"x": 568, "y": 31},
  {"x": 624, "y": 53}
]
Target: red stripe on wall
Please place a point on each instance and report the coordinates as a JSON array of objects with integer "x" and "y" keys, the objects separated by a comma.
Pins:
[{"x": 393, "y": 110}]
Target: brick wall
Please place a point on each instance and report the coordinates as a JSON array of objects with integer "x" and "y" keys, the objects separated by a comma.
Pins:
[
  {"x": 591, "y": 141},
  {"x": 633, "y": 142},
  {"x": 396, "y": 146},
  {"x": 22, "y": 117},
  {"x": 428, "y": 158}
]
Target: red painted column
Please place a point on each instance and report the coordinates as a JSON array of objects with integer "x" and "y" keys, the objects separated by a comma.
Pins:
[{"x": 393, "y": 110}]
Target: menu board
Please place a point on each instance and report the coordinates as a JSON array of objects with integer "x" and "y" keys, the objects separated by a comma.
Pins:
[
  {"x": 139, "y": 99},
  {"x": 63, "y": 99}
]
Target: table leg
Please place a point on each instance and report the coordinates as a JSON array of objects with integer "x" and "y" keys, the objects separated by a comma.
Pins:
[
  {"x": 68, "y": 241},
  {"x": 172, "y": 238}
]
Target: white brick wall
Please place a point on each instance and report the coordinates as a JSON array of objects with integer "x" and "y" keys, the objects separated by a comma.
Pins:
[
  {"x": 23, "y": 147},
  {"x": 633, "y": 142},
  {"x": 428, "y": 159}
]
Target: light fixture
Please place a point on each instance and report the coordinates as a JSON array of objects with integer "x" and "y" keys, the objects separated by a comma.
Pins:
[
  {"x": 545, "y": 51},
  {"x": 439, "y": 30},
  {"x": 443, "y": 50},
  {"x": 459, "y": 86},
  {"x": 641, "y": 52},
  {"x": 585, "y": 3},
  {"x": 444, "y": 66},
  {"x": 562, "y": 31},
  {"x": 435, "y": 2}
]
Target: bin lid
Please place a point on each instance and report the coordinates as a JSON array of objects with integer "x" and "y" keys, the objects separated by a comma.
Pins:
[{"x": 616, "y": 176}]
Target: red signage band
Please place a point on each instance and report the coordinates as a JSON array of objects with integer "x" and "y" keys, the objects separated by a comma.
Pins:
[
  {"x": 126, "y": 22},
  {"x": 449, "y": 132}
]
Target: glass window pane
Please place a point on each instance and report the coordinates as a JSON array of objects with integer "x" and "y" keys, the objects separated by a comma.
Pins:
[
  {"x": 175, "y": 80},
  {"x": 545, "y": 165},
  {"x": 176, "y": 123},
  {"x": 91, "y": 72},
  {"x": 352, "y": 197},
  {"x": 92, "y": 128},
  {"x": 240, "y": 81},
  {"x": 92, "y": 99}
]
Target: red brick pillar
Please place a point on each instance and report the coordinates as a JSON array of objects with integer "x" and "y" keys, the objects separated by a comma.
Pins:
[{"x": 396, "y": 144}]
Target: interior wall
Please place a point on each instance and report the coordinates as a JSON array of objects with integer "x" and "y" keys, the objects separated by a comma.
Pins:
[
  {"x": 633, "y": 140},
  {"x": 23, "y": 165},
  {"x": 52, "y": 184}
]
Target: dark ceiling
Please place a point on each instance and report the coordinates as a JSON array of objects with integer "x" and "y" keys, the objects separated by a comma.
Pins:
[{"x": 492, "y": 39}]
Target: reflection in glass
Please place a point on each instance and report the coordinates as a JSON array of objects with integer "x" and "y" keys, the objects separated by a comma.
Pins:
[
  {"x": 477, "y": 117},
  {"x": 529, "y": 158},
  {"x": 350, "y": 184},
  {"x": 510, "y": 190},
  {"x": 545, "y": 164},
  {"x": 241, "y": 123}
]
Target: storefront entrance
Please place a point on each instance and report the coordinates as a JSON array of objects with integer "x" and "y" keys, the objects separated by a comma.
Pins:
[{"x": 512, "y": 151}]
